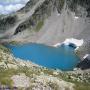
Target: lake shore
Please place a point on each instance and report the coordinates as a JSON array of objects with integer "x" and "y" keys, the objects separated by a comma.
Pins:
[{"x": 29, "y": 74}]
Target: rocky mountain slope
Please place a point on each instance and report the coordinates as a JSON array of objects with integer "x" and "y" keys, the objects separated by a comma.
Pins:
[{"x": 48, "y": 21}]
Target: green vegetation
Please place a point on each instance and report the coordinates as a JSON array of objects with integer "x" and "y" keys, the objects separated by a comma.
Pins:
[
  {"x": 75, "y": 79},
  {"x": 5, "y": 76},
  {"x": 14, "y": 43},
  {"x": 39, "y": 25},
  {"x": 54, "y": 86},
  {"x": 4, "y": 49},
  {"x": 82, "y": 86}
]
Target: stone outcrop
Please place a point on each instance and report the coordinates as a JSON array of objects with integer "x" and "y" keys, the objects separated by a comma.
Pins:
[{"x": 85, "y": 64}]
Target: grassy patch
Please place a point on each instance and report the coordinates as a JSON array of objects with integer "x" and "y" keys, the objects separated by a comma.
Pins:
[
  {"x": 78, "y": 85},
  {"x": 54, "y": 86},
  {"x": 82, "y": 86},
  {"x": 39, "y": 25},
  {"x": 5, "y": 76},
  {"x": 14, "y": 43},
  {"x": 4, "y": 49}
]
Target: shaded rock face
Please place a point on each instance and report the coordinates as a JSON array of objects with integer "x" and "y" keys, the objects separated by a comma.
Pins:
[
  {"x": 28, "y": 6},
  {"x": 84, "y": 49},
  {"x": 7, "y": 22},
  {"x": 85, "y": 64},
  {"x": 40, "y": 14},
  {"x": 73, "y": 4}
]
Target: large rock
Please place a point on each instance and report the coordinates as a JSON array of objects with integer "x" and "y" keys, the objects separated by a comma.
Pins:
[
  {"x": 85, "y": 64},
  {"x": 21, "y": 81}
]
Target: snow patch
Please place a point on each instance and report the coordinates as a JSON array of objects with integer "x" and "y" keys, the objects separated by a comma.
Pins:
[
  {"x": 87, "y": 56},
  {"x": 76, "y": 42},
  {"x": 76, "y": 17}
]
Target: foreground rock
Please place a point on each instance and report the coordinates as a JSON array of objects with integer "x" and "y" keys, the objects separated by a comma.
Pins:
[
  {"x": 41, "y": 82},
  {"x": 84, "y": 53},
  {"x": 21, "y": 81},
  {"x": 85, "y": 64}
]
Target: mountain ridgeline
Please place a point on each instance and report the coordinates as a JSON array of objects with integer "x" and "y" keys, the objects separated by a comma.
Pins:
[
  {"x": 41, "y": 13},
  {"x": 48, "y": 21}
]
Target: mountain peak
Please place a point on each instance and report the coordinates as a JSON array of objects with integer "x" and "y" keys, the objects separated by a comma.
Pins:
[{"x": 39, "y": 18}]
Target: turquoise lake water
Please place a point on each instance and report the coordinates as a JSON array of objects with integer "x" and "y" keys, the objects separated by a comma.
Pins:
[{"x": 62, "y": 57}]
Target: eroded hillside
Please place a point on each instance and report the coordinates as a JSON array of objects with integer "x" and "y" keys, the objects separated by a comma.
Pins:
[{"x": 48, "y": 21}]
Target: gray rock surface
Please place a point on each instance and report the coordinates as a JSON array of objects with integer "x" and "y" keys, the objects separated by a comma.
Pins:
[{"x": 50, "y": 22}]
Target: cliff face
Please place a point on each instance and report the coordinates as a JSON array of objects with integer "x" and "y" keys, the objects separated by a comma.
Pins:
[{"x": 48, "y": 21}]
